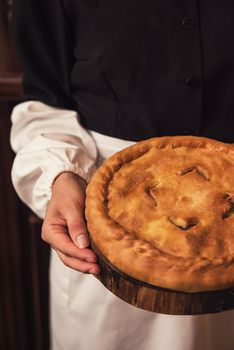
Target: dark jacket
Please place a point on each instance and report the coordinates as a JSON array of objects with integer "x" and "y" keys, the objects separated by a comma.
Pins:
[{"x": 132, "y": 69}]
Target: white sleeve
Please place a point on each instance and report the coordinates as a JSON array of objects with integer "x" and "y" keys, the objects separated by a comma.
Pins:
[{"x": 47, "y": 142}]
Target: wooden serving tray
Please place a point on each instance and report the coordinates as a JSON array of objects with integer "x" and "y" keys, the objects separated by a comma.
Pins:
[{"x": 160, "y": 300}]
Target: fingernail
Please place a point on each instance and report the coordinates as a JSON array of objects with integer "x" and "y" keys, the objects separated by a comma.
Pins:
[
  {"x": 82, "y": 241},
  {"x": 93, "y": 271}
]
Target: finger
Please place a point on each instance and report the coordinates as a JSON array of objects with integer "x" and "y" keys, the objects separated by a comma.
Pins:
[
  {"x": 58, "y": 237},
  {"x": 77, "y": 227},
  {"x": 79, "y": 265}
]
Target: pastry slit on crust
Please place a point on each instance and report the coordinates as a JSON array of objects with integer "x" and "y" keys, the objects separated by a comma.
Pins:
[
  {"x": 198, "y": 169},
  {"x": 161, "y": 211}
]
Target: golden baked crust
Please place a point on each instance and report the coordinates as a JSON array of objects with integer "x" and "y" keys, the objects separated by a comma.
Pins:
[{"x": 161, "y": 211}]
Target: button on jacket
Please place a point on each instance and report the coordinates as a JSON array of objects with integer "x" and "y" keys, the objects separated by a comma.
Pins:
[{"x": 124, "y": 70}]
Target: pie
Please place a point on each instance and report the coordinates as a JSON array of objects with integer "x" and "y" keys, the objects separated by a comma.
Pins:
[{"x": 162, "y": 212}]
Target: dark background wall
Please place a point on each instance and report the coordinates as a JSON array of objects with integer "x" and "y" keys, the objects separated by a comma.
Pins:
[{"x": 24, "y": 258}]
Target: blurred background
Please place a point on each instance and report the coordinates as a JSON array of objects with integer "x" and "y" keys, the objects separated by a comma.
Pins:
[{"x": 24, "y": 258}]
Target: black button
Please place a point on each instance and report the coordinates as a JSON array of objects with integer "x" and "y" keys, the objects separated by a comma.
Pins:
[
  {"x": 193, "y": 82},
  {"x": 186, "y": 132},
  {"x": 189, "y": 131},
  {"x": 188, "y": 23}
]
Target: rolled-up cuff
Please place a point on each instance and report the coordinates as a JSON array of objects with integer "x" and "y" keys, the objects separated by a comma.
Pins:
[{"x": 43, "y": 188}]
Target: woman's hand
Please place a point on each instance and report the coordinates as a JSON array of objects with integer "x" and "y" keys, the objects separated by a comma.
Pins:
[{"x": 64, "y": 227}]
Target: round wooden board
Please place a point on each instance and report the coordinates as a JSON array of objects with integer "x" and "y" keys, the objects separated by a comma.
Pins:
[{"x": 158, "y": 299}]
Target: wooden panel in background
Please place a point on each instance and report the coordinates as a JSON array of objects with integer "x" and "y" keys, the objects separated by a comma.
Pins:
[
  {"x": 24, "y": 258},
  {"x": 11, "y": 291},
  {"x": 24, "y": 261}
]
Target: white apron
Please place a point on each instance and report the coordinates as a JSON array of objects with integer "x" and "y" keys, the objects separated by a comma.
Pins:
[{"x": 86, "y": 316}]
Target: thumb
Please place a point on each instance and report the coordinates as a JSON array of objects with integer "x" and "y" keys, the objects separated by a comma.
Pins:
[{"x": 77, "y": 228}]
